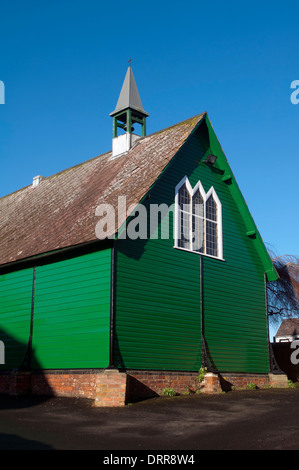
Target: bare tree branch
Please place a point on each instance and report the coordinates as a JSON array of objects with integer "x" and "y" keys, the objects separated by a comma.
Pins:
[{"x": 283, "y": 294}]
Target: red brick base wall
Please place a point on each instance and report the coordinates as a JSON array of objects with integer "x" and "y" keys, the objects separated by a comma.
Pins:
[
  {"x": 15, "y": 383},
  {"x": 50, "y": 383},
  {"x": 145, "y": 384},
  {"x": 5, "y": 383},
  {"x": 70, "y": 384},
  {"x": 231, "y": 381},
  {"x": 105, "y": 387},
  {"x": 115, "y": 388}
]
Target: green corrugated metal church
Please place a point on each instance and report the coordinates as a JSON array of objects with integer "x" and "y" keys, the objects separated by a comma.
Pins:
[{"x": 144, "y": 261}]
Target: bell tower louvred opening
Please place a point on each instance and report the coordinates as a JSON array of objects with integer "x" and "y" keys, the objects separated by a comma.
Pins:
[{"x": 128, "y": 114}]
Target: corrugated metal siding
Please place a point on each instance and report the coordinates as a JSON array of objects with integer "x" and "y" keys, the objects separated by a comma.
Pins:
[
  {"x": 158, "y": 291},
  {"x": 72, "y": 313},
  {"x": 15, "y": 313}
]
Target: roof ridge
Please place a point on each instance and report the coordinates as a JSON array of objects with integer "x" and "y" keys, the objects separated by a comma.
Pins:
[{"x": 197, "y": 116}]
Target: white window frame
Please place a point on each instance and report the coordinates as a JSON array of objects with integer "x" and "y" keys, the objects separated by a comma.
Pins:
[{"x": 205, "y": 196}]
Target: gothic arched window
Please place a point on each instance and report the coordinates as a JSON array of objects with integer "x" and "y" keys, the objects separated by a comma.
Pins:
[{"x": 198, "y": 220}]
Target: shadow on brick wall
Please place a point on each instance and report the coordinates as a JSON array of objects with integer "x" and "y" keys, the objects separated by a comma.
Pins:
[{"x": 138, "y": 391}]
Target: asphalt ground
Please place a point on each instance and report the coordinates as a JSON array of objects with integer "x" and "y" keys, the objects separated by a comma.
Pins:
[{"x": 237, "y": 420}]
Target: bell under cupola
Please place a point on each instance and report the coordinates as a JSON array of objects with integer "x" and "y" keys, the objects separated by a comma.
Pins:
[{"x": 128, "y": 114}]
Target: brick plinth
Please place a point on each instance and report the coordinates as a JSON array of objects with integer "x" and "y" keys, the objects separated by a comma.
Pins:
[
  {"x": 211, "y": 384},
  {"x": 279, "y": 380},
  {"x": 111, "y": 388}
]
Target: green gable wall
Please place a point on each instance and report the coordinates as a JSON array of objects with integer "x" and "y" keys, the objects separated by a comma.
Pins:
[
  {"x": 71, "y": 315},
  {"x": 158, "y": 308},
  {"x": 234, "y": 290}
]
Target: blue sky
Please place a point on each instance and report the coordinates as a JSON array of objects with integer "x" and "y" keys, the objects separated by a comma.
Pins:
[{"x": 63, "y": 63}]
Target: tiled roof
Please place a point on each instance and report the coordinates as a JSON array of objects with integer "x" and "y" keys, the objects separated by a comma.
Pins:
[{"x": 60, "y": 211}]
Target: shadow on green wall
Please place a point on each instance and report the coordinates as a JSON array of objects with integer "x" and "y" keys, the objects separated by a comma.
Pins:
[{"x": 16, "y": 358}]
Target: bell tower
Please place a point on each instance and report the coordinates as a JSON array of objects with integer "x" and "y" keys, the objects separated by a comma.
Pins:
[{"x": 129, "y": 112}]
